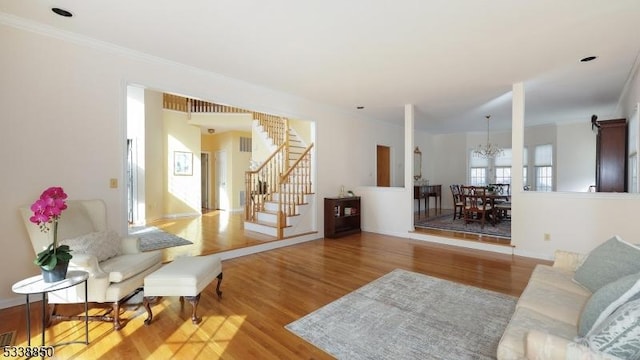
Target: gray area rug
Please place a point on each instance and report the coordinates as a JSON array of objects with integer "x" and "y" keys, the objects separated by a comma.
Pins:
[
  {"x": 446, "y": 222},
  {"x": 152, "y": 238},
  {"x": 406, "y": 315}
]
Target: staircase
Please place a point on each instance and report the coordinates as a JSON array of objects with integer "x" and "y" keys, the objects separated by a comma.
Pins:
[{"x": 279, "y": 192}]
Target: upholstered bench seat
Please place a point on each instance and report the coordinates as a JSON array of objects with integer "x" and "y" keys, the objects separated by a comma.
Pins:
[{"x": 185, "y": 277}]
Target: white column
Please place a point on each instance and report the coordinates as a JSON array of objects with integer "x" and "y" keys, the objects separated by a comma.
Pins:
[
  {"x": 409, "y": 121},
  {"x": 517, "y": 137},
  {"x": 517, "y": 145}
]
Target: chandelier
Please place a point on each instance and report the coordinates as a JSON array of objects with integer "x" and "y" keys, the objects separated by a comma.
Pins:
[{"x": 488, "y": 150}]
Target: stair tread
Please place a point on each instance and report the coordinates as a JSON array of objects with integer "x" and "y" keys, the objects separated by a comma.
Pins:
[
  {"x": 268, "y": 223},
  {"x": 274, "y": 213}
]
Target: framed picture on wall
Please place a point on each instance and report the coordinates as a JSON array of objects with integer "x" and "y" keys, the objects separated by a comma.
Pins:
[{"x": 182, "y": 163}]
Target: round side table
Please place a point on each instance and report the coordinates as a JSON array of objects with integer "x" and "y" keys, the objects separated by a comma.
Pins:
[{"x": 36, "y": 285}]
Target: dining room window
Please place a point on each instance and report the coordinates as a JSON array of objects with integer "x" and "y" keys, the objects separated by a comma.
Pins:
[
  {"x": 503, "y": 175},
  {"x": 543, "y": 162},
  {"x": 478, "y": 176},
  {"x": 503, "y": 167},
  {"x": 478, "y": 170},
  {"x": 483, "y": 171}
]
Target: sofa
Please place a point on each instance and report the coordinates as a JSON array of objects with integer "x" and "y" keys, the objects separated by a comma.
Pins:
[{"x": 584, "y": 306}]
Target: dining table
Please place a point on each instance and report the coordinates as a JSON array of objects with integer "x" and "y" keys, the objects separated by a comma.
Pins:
[{"x": 497, "y": 200}]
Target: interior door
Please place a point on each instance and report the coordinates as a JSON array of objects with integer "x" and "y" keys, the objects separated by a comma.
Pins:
[
  {"x": 383, "y": 166},
  {"x": 204, "y": 180},
  {"x": 221, "y": 193}
]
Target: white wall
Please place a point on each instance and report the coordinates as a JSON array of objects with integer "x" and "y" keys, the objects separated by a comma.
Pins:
[
  {"x": 576, "y": 157},
  {"x": 64, "y": 115}
]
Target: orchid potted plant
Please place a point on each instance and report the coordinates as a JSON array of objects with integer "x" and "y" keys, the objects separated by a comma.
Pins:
[{"x": 46, "y": 213}]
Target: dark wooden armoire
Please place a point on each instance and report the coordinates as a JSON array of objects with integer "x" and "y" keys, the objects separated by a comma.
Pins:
[{"x": 611, "y": 155}]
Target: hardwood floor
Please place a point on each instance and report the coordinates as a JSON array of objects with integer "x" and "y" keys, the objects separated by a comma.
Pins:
[
  {"x": 213, "y": 232},
  {"x": 263, "y": 292}
]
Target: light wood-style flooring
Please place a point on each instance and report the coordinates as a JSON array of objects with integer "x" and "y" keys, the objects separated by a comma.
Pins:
[{"x": 263, "y": 292}]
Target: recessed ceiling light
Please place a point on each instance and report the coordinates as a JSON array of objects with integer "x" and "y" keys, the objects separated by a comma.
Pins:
[
  {"x": 360, "y": 107},
  {"x": 588, "y": 58},
  {"x": 62, "y": 12}
]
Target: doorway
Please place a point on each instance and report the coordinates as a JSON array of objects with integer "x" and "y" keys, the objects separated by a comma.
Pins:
[
  {"x": 204, "y": 181},
  {"x": 383, "y": 166},
  {"x": 221, "y": 193}
]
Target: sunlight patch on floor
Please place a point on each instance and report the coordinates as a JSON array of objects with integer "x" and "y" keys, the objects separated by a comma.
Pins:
[{"x": 214, "y": 334}]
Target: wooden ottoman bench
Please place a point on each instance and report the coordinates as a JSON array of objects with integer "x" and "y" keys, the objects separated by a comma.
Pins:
[{"x": 185, "y": 277}]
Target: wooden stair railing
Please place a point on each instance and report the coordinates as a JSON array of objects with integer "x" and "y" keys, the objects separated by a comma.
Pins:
[
  {"x": 276, "y": 127},
  {"x": 260, "y": 184},
  {"x": 294, "y": 184},
  {"x": 291, "y": 183},
  {"x": 188, "y": 105}
]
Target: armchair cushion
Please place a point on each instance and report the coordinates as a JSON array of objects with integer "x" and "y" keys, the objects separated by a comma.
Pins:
[
  {"x": 122, "y": 267},
  {"x": 102, "y": 244}
]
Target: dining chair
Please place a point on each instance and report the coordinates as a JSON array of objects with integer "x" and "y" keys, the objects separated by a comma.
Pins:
[
  {"x": 502, "y": 201},
  {"x": 503, "y": 211},
  {"x": 457, "y": 201},
  {"x": 476, "y": 206}
]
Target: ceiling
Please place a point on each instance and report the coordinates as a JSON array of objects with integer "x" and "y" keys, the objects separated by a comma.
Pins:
[{"x": 454, "y": 60}]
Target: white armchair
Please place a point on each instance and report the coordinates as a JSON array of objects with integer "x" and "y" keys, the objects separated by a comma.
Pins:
[{"x": 115, "y": 264}]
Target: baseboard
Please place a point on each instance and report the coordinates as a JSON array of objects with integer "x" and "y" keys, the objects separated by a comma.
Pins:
[
  {"x": 268, "y": 246},
  {"x": 180, "y": 215},
  {"x": 461, "y": 243},
  {"x": 14, "y": 301}
]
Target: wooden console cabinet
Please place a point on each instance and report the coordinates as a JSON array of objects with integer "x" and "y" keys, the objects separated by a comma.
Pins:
[
  {"x": 341, "y": 216},
  {"x": 611, "y": 156}
]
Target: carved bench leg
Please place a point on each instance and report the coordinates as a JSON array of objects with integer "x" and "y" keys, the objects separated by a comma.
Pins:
[
  {"x": 147, "y": 306},
  {"x": 194, "y": 304},
  {"x": 218, "y": 286}
]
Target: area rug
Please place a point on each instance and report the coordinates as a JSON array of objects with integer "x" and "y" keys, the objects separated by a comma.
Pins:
[
  {"x": 406, "y": 315},
  {"x": 152, "y": 238},
  {"x": 446, "y": 222}
]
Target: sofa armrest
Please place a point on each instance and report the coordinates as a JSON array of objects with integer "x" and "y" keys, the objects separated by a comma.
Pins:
[
  {"x": 542, "y": 346},
  {"x": 130, "y": 245},
  {"x": 567, "y": 260}
]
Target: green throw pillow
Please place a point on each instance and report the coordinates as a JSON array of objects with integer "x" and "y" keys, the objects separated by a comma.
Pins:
[
  {"x": 618, "y": 334},
  {"x": 606, "y": 300},
  {"x": 608, "y": 262}
]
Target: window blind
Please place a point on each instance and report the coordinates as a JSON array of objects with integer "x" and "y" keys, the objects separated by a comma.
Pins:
[{"x": 544, "y": 155}]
